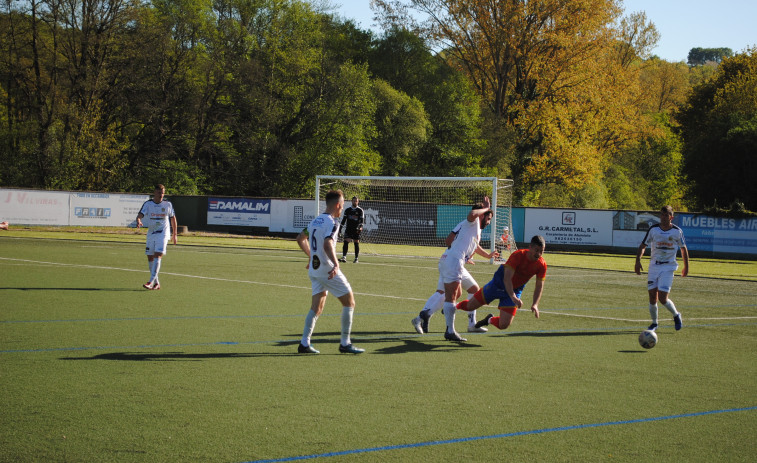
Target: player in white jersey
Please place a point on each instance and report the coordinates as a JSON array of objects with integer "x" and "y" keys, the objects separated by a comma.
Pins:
[
  {"x": 664, "y": 241},
  {"x": 468, "y": 283},
  {"x": 161, "y": 222},
  {"x": 452, "y": 263},
  {"x": 318, "y": 241}
]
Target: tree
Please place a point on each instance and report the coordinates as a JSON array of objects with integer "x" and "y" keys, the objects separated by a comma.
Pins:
[
  {"x": 701, "y": 56},
  {"x": 719, "y": 130},
  {"x": 558, "y": 73}
]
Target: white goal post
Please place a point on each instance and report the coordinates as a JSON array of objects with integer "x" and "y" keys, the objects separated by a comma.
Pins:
[{"x": 412, "y": 216}]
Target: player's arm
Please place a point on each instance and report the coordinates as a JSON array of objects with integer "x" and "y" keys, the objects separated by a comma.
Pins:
[
  {"x": 302, "y": 240},
  {"x": 174, "y": 229},
  {"x": 482, "y": 252},
  {"x": 685, "y": 255},
  {"x": 509, "y": 272},
  {"x": 640, "y": 252},
  {"x": 538, "y": 289},
  {"x": 330, "y": 250},
  {"x": 475, "y": 213},
  {"x": 139, "y": 219},
  {"x": 450, "y": 238}
]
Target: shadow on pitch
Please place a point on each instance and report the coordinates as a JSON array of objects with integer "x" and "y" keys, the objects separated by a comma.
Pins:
[
  {"x": 74, "y": 289},
  {"x": 172, "y": 356},
  {"x": 554, "y": 334}
]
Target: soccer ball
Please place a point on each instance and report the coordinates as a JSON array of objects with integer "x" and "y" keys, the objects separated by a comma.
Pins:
[{"x": 648, "y": 339}]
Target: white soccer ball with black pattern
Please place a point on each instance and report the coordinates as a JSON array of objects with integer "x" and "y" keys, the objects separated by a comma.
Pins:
[{"x": 648, "y": 339}]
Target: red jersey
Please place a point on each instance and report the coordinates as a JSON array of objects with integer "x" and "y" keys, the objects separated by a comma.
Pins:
[{"x": 524, "y": 269}]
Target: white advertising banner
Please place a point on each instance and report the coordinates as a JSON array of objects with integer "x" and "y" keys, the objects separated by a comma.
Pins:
[
  {"x": 105, "y": 209},
  {"x": 32, "y": 207},
  {"x": 569, "y": 226},
  {"x": 242, "y": 212},
  {"x": 291, "y": 215}
]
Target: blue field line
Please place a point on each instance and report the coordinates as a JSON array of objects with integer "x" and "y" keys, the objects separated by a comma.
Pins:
[
  {"x": 500, "y": 436},
  {"x": 355, "y": 338}
]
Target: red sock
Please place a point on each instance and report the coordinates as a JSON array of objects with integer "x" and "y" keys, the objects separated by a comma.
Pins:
[
  {"x": 463, "y": 305},
  {"x": 494, "y": 321}
]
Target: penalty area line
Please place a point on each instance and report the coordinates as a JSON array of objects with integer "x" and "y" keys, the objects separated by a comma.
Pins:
[{"x": 501, "y": 436}]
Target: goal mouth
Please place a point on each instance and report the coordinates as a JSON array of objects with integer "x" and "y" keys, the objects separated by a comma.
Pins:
[{"x": 412, "y": 216}]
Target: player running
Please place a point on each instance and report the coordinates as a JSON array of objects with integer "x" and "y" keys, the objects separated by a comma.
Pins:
[
  {"x": 508, "y": 283},
  {"x": 452, "y": 262},
  {"x": 664, "y": 240},
  {"x": 354, "y": 217},
  {"x": 318, "y": 241},
  {"x": 161, "y": 222}
]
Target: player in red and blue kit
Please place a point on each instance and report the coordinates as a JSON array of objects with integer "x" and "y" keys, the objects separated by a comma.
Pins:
[{"x": 508, "y": 283}]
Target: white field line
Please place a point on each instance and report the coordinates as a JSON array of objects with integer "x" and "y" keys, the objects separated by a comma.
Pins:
[
  {"x": 200, "y": 277},
  {"x": 639, "y": 321}
]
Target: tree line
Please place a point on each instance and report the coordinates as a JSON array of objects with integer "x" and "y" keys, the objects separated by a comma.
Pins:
[{"x": 256, "y": 97}]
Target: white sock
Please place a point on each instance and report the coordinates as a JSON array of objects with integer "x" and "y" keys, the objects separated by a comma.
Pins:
[
  {"x": 310, "y": 320},
  {"x": 434, "y": 303},
  {"x": 671, "y": 307},
  {"x": 449, "y": 315},
  {"x": 151, "y": 266},
  {"x": 472, "y": 314},
  {"x": 653, "y": 312},
  {"x": 156, "y": 264},
  {"x": 346, "y": 325}
]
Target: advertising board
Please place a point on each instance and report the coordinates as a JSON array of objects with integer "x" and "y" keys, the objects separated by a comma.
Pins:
[
  {"x": 569, "y": 226},
  {"x": 244, "y": 212}
]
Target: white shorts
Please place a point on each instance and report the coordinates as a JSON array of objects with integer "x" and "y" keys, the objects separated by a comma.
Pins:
[
  {"x": 157, "y": 243},
  {"x": 660, "y": 277},
  {"x": 467, "y": 281},
  {"x": 339, "y": 286},
  {"x": 450, "y": 269}
]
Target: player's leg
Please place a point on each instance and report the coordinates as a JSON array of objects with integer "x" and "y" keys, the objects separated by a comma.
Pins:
[
  {"x": 356, "y": 242},
  {"x": 451, "y": 289},
  {"x": 316, "y": 308},
  {"x": 652, "y": 289},
  {"x": 149, "y": 251},
  {"x": 665, "y": 284},
  {"x": 433, "y": 305},
  {"x": 506, "y": 315},
  {"x": 345, "y": 248},
  {"x": 348, "y": 308},
  {"x": 471, "y": 286}
]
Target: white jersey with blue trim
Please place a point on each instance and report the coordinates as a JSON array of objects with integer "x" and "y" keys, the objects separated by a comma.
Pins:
[
  {"x": 467, "y": 236},
  {"x": 664, "y": 244},
  {"x": 320, "y": 229},
  {"x": 156, "y": 217}
]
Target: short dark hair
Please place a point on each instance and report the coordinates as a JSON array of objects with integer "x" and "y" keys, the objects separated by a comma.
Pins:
[
  {"x": 667, "y": 209},
  {"x": 481, "y": 206},
  {"x": 538, "y": 240},
  {"x": 355, "y": 197},
  {"x": 333, "y": 196},
  {"x": 161, "y": 187}
]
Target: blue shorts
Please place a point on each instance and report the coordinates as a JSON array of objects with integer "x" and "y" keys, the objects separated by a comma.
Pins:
[{"x": 492, "y": 292}]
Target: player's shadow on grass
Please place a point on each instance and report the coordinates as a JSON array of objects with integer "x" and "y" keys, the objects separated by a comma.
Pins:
[
  {"x": 74, "y": 289},
  {"x": 552, "y": 334},
  {"x": 171, "y": 356},
  {"x": 408, "y": 346}
]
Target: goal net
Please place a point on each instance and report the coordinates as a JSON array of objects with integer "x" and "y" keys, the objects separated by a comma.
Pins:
[{"x": 412, "y": 216}]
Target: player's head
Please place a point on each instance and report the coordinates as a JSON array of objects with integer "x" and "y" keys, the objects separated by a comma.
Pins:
[
  {"x": 536, "y": 247},
  {"x": 484, "y": 219},
  {"x": 355, "y": 201},
  {"x": 335, "y": 202},
  {"x": 160, "y": 191},
  {"x": 666, "y": 215}
]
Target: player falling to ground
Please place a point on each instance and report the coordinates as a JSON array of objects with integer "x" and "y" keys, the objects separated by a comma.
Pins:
[
  {"x": 508, "y": 283},
  {"x": 318, "y": 241},
  {"x": 353, "y": 217},
  {"x": 452, "y": 262},
  {"x": 468, "y": 283},
  {"x": 664, "y": 240},
  {"x": 161, "y": 222}
]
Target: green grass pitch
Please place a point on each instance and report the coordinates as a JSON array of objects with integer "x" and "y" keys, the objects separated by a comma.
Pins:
[{"x": 95, "y": 368}]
